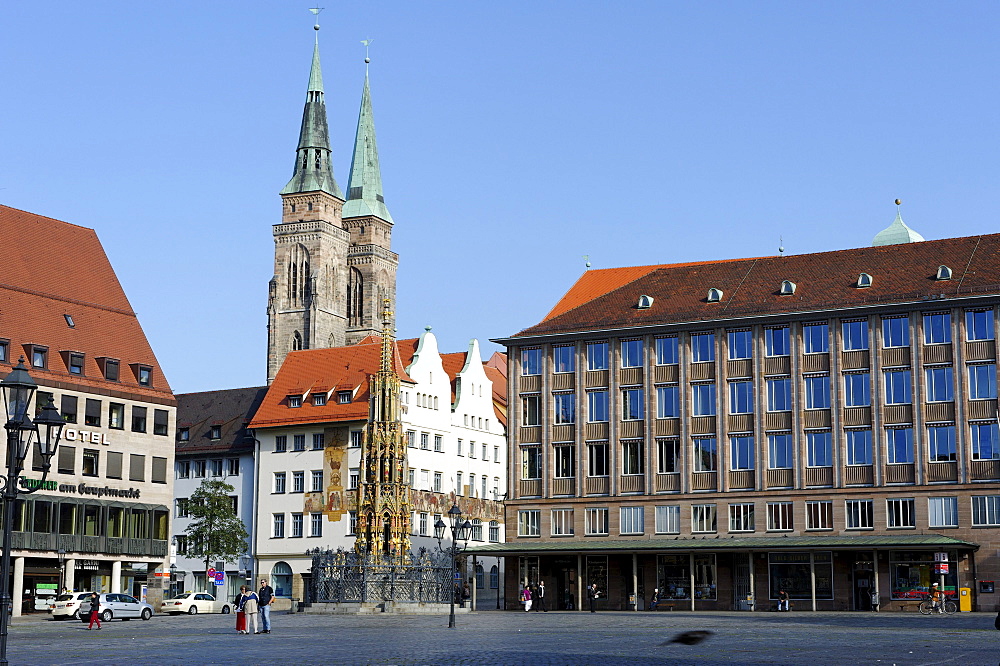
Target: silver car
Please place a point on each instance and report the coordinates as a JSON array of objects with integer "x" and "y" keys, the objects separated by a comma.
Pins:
[{"x": 117, "y": 607}]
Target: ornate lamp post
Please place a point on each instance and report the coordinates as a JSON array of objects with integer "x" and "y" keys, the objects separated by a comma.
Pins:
[
  {"x": 18, "y": 388},
  {"x": 460, "y": 531}
]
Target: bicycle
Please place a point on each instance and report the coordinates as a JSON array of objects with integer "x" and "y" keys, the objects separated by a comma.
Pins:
[{"x": 926, "y": 607}]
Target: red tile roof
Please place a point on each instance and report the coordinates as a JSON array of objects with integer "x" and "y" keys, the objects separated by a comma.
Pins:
[
  {"x": 52, "y": 269},
  {"x": 824, "y": 280}
]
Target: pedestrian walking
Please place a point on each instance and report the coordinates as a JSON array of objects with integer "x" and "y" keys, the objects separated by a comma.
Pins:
[
  {"x": 526, "y": 597},
  {"x": 265, "y": 597},
  {"x": 782, "y": 600},
  {"x": 241, "y": 616},
  {"x": 95, "y": 611},
  {"x": 539, "y": 597},
  {"x": 593, "y": 593},
  {"x": 936, "y": 605},
  {"x": 251, "y": 608},
  {"x": 466, "y": 594}
]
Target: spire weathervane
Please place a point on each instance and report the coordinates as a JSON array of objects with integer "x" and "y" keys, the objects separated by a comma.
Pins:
[
  {"x": 367, "y": 43},
  {"x": 316, "y": 11}
]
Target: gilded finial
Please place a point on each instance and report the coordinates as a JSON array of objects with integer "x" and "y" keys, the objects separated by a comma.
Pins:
[
  {"x": 898, "y": 202},
  {"x": 316, "y": 11}
]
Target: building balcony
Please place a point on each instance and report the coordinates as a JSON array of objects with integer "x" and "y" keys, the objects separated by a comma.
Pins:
[
  {"x": 668, "y": 483},
  {"x": 780, "y": 478},
  {"x": 742, "y": 479},
  {"x": 819, "y": 477},
  {"x": 859, "y": 475},
  {"x": 942, "y": 472}
]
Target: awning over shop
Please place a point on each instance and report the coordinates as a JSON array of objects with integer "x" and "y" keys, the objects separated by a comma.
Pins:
[{"x": 714, "y": 544}]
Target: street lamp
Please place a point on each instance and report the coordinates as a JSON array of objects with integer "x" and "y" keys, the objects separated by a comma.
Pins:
[
  {"x": 18, "y": 388},
  {"x": 62, "y": 569},
  {"x": 460, "y": 531}
]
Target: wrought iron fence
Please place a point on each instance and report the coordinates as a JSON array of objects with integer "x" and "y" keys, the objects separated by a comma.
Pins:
[{"x": 344, "y": 576}]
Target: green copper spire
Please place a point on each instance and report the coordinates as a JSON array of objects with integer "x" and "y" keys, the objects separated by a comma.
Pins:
[
  {"x": 313, "y": 168},
  {"x": 364, "y": 190},
  {"x": 897, "y": 232}
]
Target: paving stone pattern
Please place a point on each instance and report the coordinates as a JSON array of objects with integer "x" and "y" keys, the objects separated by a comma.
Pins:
[{"x": 511, "y": 638}]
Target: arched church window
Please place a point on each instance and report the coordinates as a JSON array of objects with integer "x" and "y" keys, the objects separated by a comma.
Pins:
[
  {"x": 296, "y": 341},
  {"x": 355, "y": 297}
]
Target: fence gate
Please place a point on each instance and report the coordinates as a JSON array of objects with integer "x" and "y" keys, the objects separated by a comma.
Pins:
[{"x": 742, "y": 592}]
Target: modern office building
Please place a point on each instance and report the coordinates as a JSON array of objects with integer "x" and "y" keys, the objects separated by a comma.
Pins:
[
  {"x": 309, "y": 430},
  {"x": 214, "y": 443},
  {"x": 824, "y": 423},
  {"x": 101, "y": 520}
]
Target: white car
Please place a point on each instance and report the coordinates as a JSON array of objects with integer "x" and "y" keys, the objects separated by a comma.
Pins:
[
  {"x": 68, "y": 605},
  {"x": 117, "y": 607},
  {"x": 195, "y": 602}
]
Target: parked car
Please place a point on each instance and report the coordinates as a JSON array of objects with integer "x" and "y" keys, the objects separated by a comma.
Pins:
[
  {"x": 195, "y": 602},
  {"x": 68, "y": 605},
  {"x": 117, "y": 606}
]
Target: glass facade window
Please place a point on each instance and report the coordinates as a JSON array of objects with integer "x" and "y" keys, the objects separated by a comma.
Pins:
[
  {"x": 819, "y": 515},
  {"x": 793, "y": 573},
  {"x": 779, "y": 395},
  {"x": 703, "y": 399},
  {"x": 857, "y": 389},
  {"x": 531, "y": 462},
  {"x": 741, "y": 517},
  {"x": 705, "y": 458},
  {"x": 741, "y": 450},
  {"x": 597, "y": 356},
  {"x": 985, "y": 441},
  {"x": 860, "y": 515},
  {"x": 979, "y": 325},
  {"x": 779, "y": 516},
  {"x": 666, "y": 351},
  {"x": 899, "y": 513},
  {"x": 740, "y": 344},
  {"x": 528, "y": 522},
  {"x": 632, "y": 518},
  {"x": 942, "y": 512},
  {"x": 633, "y": 404},
  {"x": 816, "y": 338},
  {"x": 899, "y": 445},
  {"x": 531, "y": 410},
  {"x": 986, "y": 511},
  {"x": 632, "y": 354},
  {"x": 740, "y": 397},
  {"x": 983, "y": 382},
  {"x": 703, "y": 518},
  {"x": 531, "y": 361},
  {"x": 562, "y": 522},
  {"x": 667, "y": 456},
  {"x": 937, "y": 328},
  {"x": 597, "y": 459},
  {"x": 597, "y": 406},
  {"x": 702, "y": 347},
  {"x": 597, "y": 521},
  {"x": 819, "y": 449},
  {"x": 776, "y": 342},
  {"x": 779, "y": 449},
  {"x": 940, "y": 384},
  {"x": 667, "y": 406},
  {"x": 668, "y": 519},
  {"x": 896, "y": 332},
  {"x": 897, "y": 387},
  {"x": 632, "y": 456},
  {"x": 941, "y": 443},
  {"x": 855, "y": 335},
  {"x": 859, "y": 447},
  {"x": 563, "y": 462},
  {"x": 817, "y": 392},
  {"x": 565, "y": 408},
  {"x": 564, "y": 359}
]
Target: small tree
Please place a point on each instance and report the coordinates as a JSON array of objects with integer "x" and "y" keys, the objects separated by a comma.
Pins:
[{"x": 215, "y": 531}]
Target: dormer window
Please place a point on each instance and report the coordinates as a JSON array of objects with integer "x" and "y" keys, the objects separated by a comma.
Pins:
[
  {"x": 645, "y": 302},
  {"x": 943, "y": 273},
  {"x": 145, "y": 375},
  {"x": 183, "y": 434},
  {"x": 295, "y": 401},
  {"x": 39, "y": 356},
  {"x": 864, "y": 280},
  {"x": 787, "y": 288},
  {"x": 4, "y": 350},
  {"x": 75, "y": 363},
  {"x": 319, "y": 399},
  {"x": 109, "y": 366},
  {"x": 343, "y": 397},
  {"x": 215, "y": 432},
  {"x": 714, "y": 295}
]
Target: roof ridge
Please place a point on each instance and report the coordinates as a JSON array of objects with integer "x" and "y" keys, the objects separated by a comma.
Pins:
[
  {"x": 65, "y": 299},
  {"x": 46, "y": 217}
]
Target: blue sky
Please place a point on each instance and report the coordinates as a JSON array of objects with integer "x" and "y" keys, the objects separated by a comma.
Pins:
[{"x": 514, "y": 139}]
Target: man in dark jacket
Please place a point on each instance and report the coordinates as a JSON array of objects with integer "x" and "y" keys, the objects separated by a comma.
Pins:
[
  {"x": 539, "y": 597},
  {"x": 95, "y": 611},
  {"x": 265, "y": 597}
]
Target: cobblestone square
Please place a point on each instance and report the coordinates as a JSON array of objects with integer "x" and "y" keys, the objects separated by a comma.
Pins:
[{"x": 520, "y": 638}]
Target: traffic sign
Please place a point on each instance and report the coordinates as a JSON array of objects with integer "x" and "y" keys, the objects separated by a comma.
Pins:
[
  {"x": 940, "y": 557},
  {"x": 211, "y": 572},
  {"x": 458, "y": 575},
  {"x": 220, "y": 578},
  {"x": 940, "y": 568}
]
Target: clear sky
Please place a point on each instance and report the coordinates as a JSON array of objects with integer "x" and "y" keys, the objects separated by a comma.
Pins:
[{"x": 514, "y": 138}]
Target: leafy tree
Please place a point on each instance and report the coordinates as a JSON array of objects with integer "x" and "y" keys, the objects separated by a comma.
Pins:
[{"x": 215, "y": 531}]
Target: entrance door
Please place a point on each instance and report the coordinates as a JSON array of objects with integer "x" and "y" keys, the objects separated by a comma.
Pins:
[
  {"x": 742, "y": 594},
  {"x": 864, "y": 584}
]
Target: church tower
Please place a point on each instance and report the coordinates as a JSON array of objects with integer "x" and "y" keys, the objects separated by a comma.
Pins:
[
  {"x": 371, "y": 263},
  {"x": 383, "y": 526},
  {"x": 332, "y": 262}
]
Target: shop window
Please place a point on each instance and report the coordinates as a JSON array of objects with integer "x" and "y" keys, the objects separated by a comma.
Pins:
[
  {"x": 912, "y": 572},
  {"x": 791, "y": 572}
]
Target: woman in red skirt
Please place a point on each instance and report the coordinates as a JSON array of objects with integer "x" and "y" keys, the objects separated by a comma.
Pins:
[{"x": 241, "y": 617}]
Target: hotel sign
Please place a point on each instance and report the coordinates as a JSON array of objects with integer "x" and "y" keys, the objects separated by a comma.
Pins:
[
  {"x": 79, "y": 488},
  {"x": 73, "y": 435}
]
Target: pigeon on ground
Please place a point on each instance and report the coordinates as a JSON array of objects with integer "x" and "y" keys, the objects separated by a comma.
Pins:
[{"x": 689, "y": 637}]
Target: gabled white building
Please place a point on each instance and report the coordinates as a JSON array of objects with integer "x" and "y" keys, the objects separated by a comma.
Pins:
[{"x": 309, "y": 430}]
